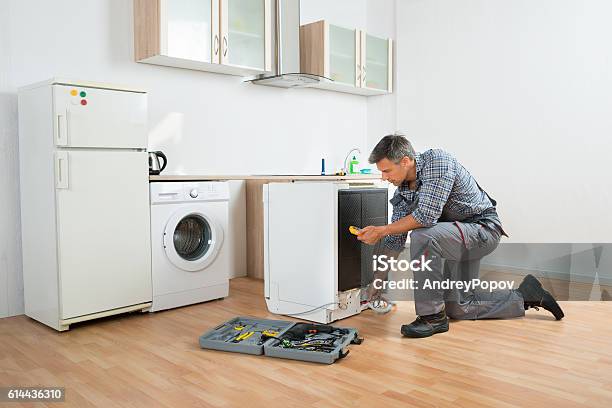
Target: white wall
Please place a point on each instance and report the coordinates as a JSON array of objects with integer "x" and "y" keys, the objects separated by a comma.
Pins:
[
  {"x": 520, "y": 92},
  {"x": 377, "y": 17},
  {"x": 382, "y": 110},
  {"x": 11, "y": 285},
  {"x": 344, "y": 13},
  {"x": 227, "y": 126},
  {"x": 517, "y": 90},
  {"x": 205, "y": 123}
]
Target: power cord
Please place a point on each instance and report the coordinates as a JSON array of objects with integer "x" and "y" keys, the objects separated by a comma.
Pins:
[{"x": 340, "y": 306}]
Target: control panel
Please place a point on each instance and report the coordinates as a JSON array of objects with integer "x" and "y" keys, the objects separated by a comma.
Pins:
[{"x": 189, "y": 191}]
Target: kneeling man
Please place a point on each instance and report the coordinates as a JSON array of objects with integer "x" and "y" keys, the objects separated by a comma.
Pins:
[{"x": 453, "y": 223}]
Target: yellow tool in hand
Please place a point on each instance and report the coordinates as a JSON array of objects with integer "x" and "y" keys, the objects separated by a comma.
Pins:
[{"x": 354, "y": 230}]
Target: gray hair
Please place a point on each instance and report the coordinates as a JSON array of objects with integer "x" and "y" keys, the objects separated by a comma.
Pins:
[{"x": 393, "y": 147}]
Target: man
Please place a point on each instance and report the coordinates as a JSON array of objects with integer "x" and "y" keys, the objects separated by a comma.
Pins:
[{"x": 453, "y": 223}]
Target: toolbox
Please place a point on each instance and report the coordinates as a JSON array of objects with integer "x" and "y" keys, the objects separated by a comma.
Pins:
[{"x": 316, "y": 343}]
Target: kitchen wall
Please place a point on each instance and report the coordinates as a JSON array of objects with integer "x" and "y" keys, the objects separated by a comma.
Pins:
[
  {"x": 382, "y": 111},
  {"x": 206, "y": 123},
  {"x": 11, "y": 285},
  {"x": 506, "y": 86},
  {"x": 520, "y": 92},
  {"x": 377, "y": 17},
  {"x": 345, "y": 13},
  {"x": 225, "y": 125}
]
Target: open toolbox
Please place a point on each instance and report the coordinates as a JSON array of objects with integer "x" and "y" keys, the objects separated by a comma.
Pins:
[{"x": 283, "y": 339}]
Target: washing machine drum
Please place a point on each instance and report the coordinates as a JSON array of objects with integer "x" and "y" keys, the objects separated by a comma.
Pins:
[{"x": 192, "y": 241}]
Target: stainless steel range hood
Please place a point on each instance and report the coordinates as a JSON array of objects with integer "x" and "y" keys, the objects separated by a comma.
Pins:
[{"x": 287, "y": 41}]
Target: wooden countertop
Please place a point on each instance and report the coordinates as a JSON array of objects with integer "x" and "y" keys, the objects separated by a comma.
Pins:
[{"x": 172, "y": 177}]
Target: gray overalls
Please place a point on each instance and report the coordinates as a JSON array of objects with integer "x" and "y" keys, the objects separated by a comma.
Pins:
[{"x": 456, "y": 245}]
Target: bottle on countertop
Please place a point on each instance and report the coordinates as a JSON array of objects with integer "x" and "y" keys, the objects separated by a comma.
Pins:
[{"x": 354, "y": 166}]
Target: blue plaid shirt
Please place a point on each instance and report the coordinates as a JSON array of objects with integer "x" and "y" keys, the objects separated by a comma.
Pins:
[{"x": 445, "y": 191}]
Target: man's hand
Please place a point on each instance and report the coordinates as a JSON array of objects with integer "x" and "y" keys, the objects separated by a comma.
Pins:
[{"x": 371, "y": 235}]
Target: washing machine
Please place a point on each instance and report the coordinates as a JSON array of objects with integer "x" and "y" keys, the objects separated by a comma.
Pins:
[{"x": 190, "y": 259}]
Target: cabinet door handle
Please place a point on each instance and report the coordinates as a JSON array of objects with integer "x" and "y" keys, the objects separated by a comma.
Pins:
[
  {"x": 225, "y": 46},
  {"x": 216, "y": 44}
]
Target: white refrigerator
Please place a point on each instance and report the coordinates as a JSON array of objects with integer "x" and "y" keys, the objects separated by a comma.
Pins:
[{"x": 84, "y": 201}]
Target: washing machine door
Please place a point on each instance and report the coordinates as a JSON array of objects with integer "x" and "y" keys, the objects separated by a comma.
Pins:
[{"x": 192, "y": 240}]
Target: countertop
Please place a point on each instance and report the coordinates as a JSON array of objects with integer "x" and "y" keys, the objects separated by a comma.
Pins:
[{"x": 172, "y": 177}]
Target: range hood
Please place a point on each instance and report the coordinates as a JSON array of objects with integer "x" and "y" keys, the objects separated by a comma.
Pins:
[{"x": 287, "y": 42}]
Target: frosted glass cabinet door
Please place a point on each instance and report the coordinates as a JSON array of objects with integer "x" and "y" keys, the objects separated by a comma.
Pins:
[
  {"x": 245, "y": 32},
  {"x": 343, "y": 55},
  {"x": 376, "y": 69},
  {"x": 186, "y": 29}
]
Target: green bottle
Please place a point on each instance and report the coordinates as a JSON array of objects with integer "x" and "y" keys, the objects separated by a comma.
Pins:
[{"x": 353, "y": 166}]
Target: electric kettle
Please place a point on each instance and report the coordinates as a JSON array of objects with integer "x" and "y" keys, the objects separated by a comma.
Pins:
[{"x": 154, "y": 166}]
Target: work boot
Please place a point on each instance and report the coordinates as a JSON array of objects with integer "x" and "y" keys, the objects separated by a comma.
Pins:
[
  {"x": 535, "y": 296},
  {"x": 425, "y": 326}
]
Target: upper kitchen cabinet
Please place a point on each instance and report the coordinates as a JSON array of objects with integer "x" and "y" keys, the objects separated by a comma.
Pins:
[
  {"x": 245, "y": 34},
  {"x": 376, "y": 63},
  {"x": 356, "y": 61},
  {"x": 225, "y": 36},
  {"x": 330, "y": 51}
]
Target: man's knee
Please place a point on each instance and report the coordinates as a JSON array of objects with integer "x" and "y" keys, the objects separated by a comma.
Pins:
[
  {"x": 424, "y": 238},
  {"x": 420, "y": 238},
  {"x": 443, "y": 239}
]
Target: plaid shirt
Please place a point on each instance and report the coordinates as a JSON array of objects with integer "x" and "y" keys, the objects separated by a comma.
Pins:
[{"x": 445, "y": 191}]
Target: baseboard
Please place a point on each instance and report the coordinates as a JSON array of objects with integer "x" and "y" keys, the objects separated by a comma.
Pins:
[{"x": 564, "y": 276}]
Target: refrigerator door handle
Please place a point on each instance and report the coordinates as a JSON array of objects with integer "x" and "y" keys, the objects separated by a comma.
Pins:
[
  {"x": 61, "y": 170},
  {"x": 62, "y": 129}
]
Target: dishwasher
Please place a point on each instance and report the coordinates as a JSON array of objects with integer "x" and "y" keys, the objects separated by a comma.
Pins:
[{"x": 314, "y": 268}]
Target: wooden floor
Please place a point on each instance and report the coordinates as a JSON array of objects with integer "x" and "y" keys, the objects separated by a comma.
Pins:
[{"x": 149, "y": 360}]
